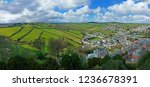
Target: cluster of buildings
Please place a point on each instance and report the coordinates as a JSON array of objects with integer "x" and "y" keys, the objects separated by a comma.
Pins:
[
  {"x": 137, "y": 49},
  {"x": 129, "y": 46}
]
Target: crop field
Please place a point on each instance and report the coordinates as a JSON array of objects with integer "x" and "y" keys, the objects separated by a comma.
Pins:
[
  {"x": 27, "y": 33},
  {"x": 71, "y": 32}
]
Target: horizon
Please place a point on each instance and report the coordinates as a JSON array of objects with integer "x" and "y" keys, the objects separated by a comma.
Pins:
[
  {"x": 71, "y": 22},
  {"x": 75, "y": 11}
]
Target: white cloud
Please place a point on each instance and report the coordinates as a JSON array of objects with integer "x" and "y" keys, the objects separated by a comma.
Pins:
[
  {"x": 147, "y": 1},
  {"x": 7, "y": 17},
  {"x": 80, "y": 15},
  {"x": 40, "y": 10},
  {"x": 111, "y": 17},
  {"x": 62, "y": 4},
  {"x": 73, "y": 11},
  {"x": 87, "y": 10},
  {"x": 133, "y": 11},
  {"x": 106, "y": 17},
  {"x": 130, "y": 7}
]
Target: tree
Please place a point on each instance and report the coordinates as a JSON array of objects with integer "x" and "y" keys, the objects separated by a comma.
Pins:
[
  {"x": 83, "y": 33},
  {"x": 21, "y": 63},
  {"x": 119, "y": 57},
  {"x": 72, "y": 61},
  {"x": 39, "y": 44},
  {"x": 93, "y": 62},
  {"x": 5, "y": 48},
  {"x": 145, "y": 65},
  {"x": 32, "y": 64},
  {"x": 3, "y": 65},
  {"x": 114, "y": 65},
  {"x": 57, "y": 45},
  {"x": 40, "y": 56},
  {"x": 106, "y": 59},
  {"x": 50, "y": 64},
  {"x": 17, "y": 63},
  {"x": 5, "y": 54},
  {"x": 144, "y": 62},
  {"x": 131, "y": 66}
]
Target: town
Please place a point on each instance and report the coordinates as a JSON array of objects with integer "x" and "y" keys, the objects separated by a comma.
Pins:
[
  {"x": 74, "y": 46},
  {"x": 129, "y": 44}
]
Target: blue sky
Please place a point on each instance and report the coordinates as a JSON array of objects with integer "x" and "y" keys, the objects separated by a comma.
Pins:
[
  {"x": 128, "y": 11},
  {"x": 104, "y": 3}
]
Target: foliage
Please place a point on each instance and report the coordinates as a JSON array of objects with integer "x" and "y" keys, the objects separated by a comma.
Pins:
[
  {"x": 3, "y": 65},
  {"x": 72, "y": 61},
  {"x": 105, "y": 59},
  {"x": 57, "y": 45},
  {"x": 119, "y": 57},
  {"x": 20, "y": 63},
  {"x": 131, "y": 66},
  {"x": 50, "y": 64},
  {"x": 145, "y": 66},
  {"x": 92, "y": 62},
  {"x": 55, "y": 37},
  {"x": 40, "y": 55},
  {"x": 39, "y": 44},
  {"x": 144, "y": 61},
  {"x": 16, "y": 63},
  {"x": 5, "y": 51},
  {"x": 144, "y": 58},
  {"x": 114, "y": 65}
]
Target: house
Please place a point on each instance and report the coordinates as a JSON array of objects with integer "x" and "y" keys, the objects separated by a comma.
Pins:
[
  {"x": 148, "y": 29},
  {"x": 133, "y": 56},
  {"x": 98, "y": 53},
  {"x": 137, "y": 54},
  {"x": 146, "y": 44},
  {"x": 101, "y": 53},
  {"x": 92, "y": 55}
]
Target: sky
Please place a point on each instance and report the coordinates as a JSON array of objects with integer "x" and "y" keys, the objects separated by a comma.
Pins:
[{"x": 127, "y": 11}]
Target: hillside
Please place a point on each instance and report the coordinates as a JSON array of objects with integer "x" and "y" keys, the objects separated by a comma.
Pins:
[{"x": 24, "y": 34}]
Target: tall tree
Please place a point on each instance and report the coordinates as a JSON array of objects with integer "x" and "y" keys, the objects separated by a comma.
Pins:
[
  {"x": 114, "y": 65},
  {"x": 5, "y": 48},
  {"x": 39, "y": 44},
  {"x": 57, "y": 45},
  {"x": 144, "y": 61},
  {"x": 51, "y": 64},
  {"x": 72, "y": 61}
]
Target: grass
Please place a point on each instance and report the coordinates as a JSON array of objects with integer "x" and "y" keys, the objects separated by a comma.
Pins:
[
  {"x": 24, "y": 31},
  {"x": 70, "y": 31},
  {"x": 8, "y": 31},
  {"x": 72, "y": 36}
]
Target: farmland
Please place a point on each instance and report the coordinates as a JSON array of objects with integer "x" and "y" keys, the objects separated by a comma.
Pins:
[
  {"x": 42, "y": 45},
  {"x": 71, "y": 32},
  {"x": 28, "y": 32}
]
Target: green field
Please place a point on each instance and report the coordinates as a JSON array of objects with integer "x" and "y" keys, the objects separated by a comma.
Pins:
[
  {"x": 71, "y": 32},
  {"x": 42, "y": 45}
]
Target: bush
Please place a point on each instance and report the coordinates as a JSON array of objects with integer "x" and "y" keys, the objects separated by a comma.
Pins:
[
  {"x": 32, "y": 64},
  {"x": 114, "y": 65},
  {"x": 16, "y": 63},
  {"x": 105, "y": 59},
  {"x": 72, "y": 61},
  {"x": 145, "y": 66},
  {"x": 144, "y": 62},
  {"x": 131, "y": 66},
  {"x": 119, "y": 57},
  {"x": 144, "y": 58},
  {"x": 50, "y": 64},
  {"x": 92, "y": 62},
  {"x": 40, "y": 56},
  {"x": 3, "y": 65},
  {"x": 21, "y": 63}
]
